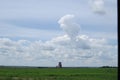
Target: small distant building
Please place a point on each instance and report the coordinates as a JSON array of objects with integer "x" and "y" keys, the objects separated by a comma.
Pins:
[{"x": 59, "y": 65}]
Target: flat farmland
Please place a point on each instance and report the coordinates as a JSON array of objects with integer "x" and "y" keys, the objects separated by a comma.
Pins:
[{"x": 58, "y": 73}]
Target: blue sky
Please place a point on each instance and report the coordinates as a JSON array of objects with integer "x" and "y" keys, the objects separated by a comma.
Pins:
[{"x": 36, "y": 21}]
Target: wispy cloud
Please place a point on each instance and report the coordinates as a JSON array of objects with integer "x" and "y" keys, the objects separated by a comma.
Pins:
[
  {"x": 98, "y": 6},
  {"x": 12, "y": 31}
]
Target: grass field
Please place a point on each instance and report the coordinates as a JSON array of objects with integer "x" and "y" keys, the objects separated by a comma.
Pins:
[{"x": 58, "y": 73}]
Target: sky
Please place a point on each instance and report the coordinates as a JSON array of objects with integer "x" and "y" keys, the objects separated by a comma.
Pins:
[{"x": 45, "y": 32}]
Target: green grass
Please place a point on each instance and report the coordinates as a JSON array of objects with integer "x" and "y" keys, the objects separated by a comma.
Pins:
[{"x": 58, "y": 73}]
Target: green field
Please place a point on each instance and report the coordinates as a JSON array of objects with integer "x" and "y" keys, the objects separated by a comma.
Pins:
[{"x": 58, "y": 73}]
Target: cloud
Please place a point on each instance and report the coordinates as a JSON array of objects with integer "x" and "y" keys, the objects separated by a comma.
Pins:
[
  {"x": 16, "y": 31},
  {"x": 71, "y": 47},
  {"x": 59, "y": 48},
  {"x": 98, "y": 6},
  {"x": 68, "y": 24}
]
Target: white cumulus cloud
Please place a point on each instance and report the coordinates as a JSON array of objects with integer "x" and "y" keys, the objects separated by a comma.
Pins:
[
  {"x": 68, "y": 24},
  {"x": 60, "y": 48}
]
